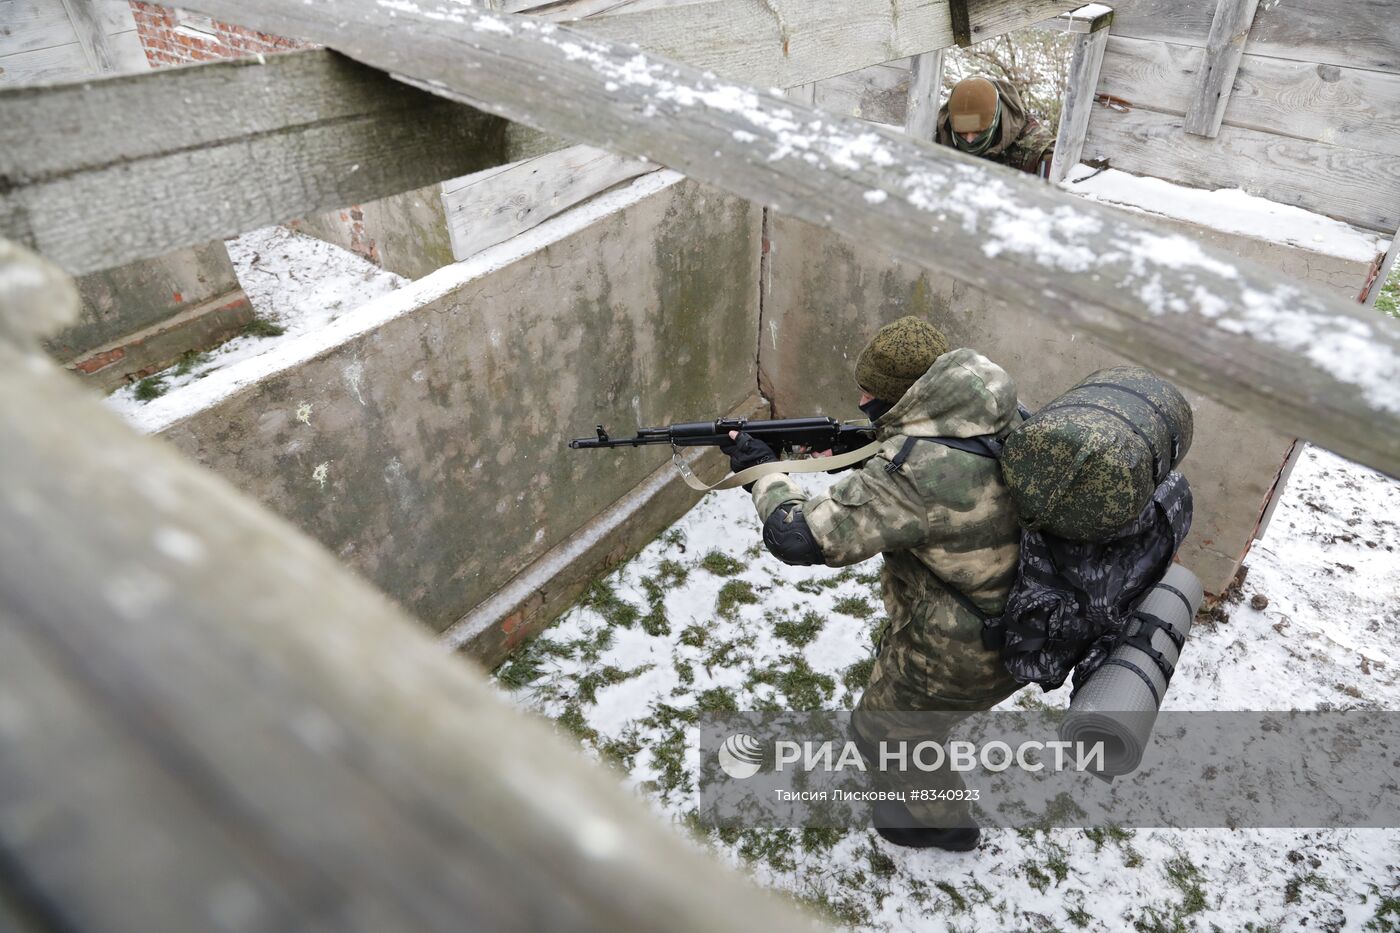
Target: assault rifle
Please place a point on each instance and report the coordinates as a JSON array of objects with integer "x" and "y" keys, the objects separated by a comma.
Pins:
[{"x": 784, "y": 436}]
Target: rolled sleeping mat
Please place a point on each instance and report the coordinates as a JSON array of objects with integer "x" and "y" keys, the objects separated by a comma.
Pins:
[
  {"x": 1118, "y": 705},
  {"x": 1086, "y": 464}
]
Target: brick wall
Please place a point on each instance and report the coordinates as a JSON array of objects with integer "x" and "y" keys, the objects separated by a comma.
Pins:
[{"x": 174, "y": 37}]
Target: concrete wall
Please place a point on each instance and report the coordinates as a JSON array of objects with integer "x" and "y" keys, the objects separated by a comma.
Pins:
[
  {"x": 404, "y": 233},
  {"x": 824, "y": 296},
  {"x": 140, "y": 317},
  {"x": 429, "y": 452}
]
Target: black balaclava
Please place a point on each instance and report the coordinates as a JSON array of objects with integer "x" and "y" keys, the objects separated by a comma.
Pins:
[{"x": 875, "y": 409}]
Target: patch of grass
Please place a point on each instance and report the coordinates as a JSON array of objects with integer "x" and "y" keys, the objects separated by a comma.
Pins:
[
  {"x": 1077, "y": 915},
  {"x": 671, "y": 573},
  {"x": 188, "y": 361},
  {"x": 590, "y": 650},
  {"x": 881, "y": 865},
  {"x": 151, "y": 387},
  {"x": 1100, "y": 835},
  {"x": 732, "y": 595},
  {"x": 685, "y": 672},
  {"x": 803, "y": 688},
  {"x": 721, "y": 564},
  {"x": 802, "y": 632},
  {"x": 1388, "y": 301},
  {"x": 622, "y": 752},
  {"x": 955, "y": 897},
  {"x": 603, "y": 599},
  {"x": 573, "y": 722},
  {"x": 773, "y": 846},
  {"x": 1037, "y": 878},
  {"x": 589, "y": 684},
  {"x": 694, "y": 635},
  {"x": 845, "y": 911},
  {"x": 1386, "y": 919},
  {"x": 526, "y": 664},
  {"x": 1057, "y": 863},
  {"x": 1294, "y": 888},
  {"x": 668, "y": 755},
  {"x": 674, "y": 538},
  {"x": 1183, "y": 875},
  {"x": 853, "y": 606},
  {"x": 857, "y": 676},
  {"x": 820, "y": 838},
  {"x": 262, "y": 327},
  {"x": 717, "y": 700}
]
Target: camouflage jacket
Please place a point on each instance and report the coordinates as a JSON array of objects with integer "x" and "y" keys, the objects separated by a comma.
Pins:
[
  {"x": 944, "y": 519},
  {"x": 1024, "y": 144}
]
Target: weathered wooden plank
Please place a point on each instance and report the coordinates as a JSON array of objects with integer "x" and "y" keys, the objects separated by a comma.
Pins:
[
  {"x": 800, "y": 41},
  {"x": 69, "y": 62},
  {"x": 204, "y": 708},
  {"x": 1372, "y": 291},
  {"x": 1081, "y": 86},
  {"x": 1360, "y": 34},
  {"x": 1361, "y": 188},
  {"x": 493, "y": 206},
  {"x": 1086, "y": 19},
  {"x": 925, "y": 89},
  {"x": 1350, "y": 107},
  {"x": 1227, "y": 328},
  {"x": 192, "y": 154},
  {"x": 30, "y": 25},
  {"x": 878, "y": 94},
  {"x": 88, "y": 27},
  {"x": 1216, "y": 76}
]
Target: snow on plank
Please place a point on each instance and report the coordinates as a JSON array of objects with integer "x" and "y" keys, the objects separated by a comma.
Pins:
[{"x": 1309, "y": 364}]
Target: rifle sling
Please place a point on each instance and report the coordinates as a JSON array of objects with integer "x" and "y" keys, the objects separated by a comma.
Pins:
[{"x": 743, "y": 477}]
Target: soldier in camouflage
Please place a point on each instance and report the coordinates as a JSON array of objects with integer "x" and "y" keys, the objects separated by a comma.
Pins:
[
  {"x": 986, "y": 117},
  {"x": 946, "y": 525}
]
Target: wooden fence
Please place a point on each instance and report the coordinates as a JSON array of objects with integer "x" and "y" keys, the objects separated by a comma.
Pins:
[{"x": 205, "y": 722}]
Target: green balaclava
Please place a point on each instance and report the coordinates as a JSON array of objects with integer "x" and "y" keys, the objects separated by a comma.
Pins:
[
  {"x": 897, "y": 356},
  {"x": 985, "y": 139}
]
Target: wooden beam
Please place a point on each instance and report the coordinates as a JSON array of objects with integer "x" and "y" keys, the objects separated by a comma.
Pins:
[
  {"x": 925, "y": 88},
  {"x": 784, "y": 44},
  {"x": 961, "y": 23},
  {"x": 1361, "y": 188},
  {"x": 1311, "y": 365},
  {"x": 92, "y": 35},
  {"x": 1349, "y": 107},
  {"x": 1081, "y": 85},
  {"x": 210, "y": 724},
  {"x": 99, "y": 173},
  {"x": 1086, "y": 19},
  {"x": 492, "y": 206},
  {"x": 1363, "y": 34},
  {"x": 1216, "y": 77}
]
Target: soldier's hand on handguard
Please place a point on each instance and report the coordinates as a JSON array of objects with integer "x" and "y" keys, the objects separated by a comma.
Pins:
[{"x": 744, "y": 451}]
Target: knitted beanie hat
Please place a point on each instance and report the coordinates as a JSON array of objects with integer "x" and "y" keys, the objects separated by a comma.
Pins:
[{"x": 897, "y": 355}]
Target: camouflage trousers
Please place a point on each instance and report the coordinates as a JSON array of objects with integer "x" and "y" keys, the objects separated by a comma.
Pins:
[{"x": 918, "y": 672}]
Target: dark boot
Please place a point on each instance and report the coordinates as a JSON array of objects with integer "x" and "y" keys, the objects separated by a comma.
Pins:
[{"x": 896, "y": 824}]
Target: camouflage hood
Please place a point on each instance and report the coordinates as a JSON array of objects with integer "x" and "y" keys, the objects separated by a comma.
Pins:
[
  {"x": 963, "y": 394},
  {"x": 1014, "y": 119}
]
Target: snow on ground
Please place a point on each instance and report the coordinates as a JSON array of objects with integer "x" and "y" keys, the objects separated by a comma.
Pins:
[
  {"x": 295, "y": 283},
  {"x": 1228, "y": 209},
  {"x": 704, "y": 619}
]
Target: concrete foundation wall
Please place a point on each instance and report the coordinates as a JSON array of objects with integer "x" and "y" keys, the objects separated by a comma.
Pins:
[
  {"x": 429, "y": 453},
  {"x": 119, "y": 302},
  {"x": 404, "y": 233},
  {"x": 824, "y": 296},
  {"x": 141, "y": 317}
]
